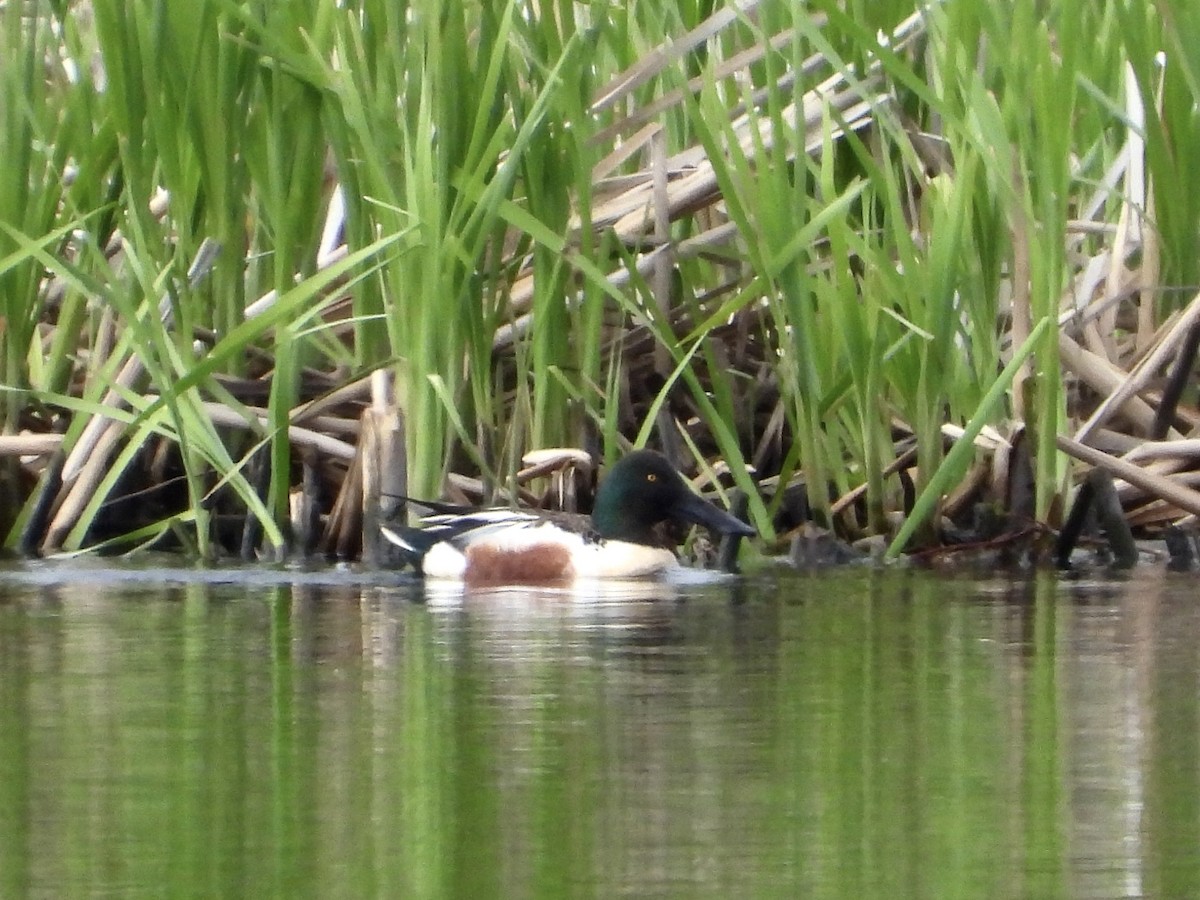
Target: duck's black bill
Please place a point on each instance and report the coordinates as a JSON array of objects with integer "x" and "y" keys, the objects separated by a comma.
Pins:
[{"x": 701, "y": 512}]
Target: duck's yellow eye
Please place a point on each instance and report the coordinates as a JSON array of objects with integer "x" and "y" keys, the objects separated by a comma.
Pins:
[{"x": 652, "y": 477}]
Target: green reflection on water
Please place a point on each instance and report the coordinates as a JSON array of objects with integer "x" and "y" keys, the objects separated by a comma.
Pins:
[{"x": 854, "y": 735}]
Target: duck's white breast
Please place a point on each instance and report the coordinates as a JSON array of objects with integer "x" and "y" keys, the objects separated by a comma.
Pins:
[{"x": 620, "y": 559}]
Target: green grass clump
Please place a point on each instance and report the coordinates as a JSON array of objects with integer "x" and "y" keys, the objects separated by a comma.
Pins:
[{"x": 801, "y": 240}]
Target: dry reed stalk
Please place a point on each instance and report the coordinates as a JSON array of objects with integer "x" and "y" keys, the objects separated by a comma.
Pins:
[
  {"x": 29, "y": 444},
  {"x": 83, "y": 453},
  {"x": 1146, "y": 369},
  {"x": 1105, "y": 378},
  {"x": 220, "y": 414},
  {"x": 652, "y": 63},
  {"x": 1151, "y": 482}
]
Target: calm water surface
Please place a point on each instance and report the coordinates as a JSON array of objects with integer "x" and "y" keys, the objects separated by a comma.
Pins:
[{"x": 848, "y": 735}]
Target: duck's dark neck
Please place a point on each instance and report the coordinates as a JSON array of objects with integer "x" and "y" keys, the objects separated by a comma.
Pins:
[{"x": 612, "y": 522}]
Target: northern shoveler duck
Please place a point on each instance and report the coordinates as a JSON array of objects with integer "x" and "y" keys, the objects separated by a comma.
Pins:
[{"x": 622, "y": 539}]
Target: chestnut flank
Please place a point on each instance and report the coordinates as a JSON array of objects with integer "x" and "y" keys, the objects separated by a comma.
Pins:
[{"x": 491, "y": 566}]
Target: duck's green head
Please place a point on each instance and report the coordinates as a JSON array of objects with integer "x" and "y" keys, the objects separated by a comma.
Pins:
[{"x": 642, "y": 490}]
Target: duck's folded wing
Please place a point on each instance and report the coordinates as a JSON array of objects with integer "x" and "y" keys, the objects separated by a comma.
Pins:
[{"x": 456, "y": 529}]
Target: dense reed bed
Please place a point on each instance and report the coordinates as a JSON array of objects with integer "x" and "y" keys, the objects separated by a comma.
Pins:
[{"x": 900, "y": 269}]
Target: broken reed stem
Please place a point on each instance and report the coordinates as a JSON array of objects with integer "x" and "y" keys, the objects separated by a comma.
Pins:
[{"x": 383, "y": 465}]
